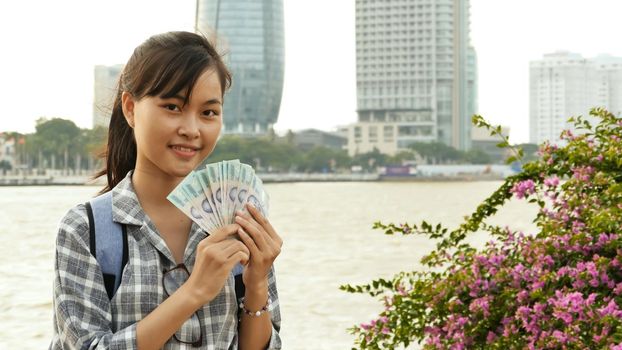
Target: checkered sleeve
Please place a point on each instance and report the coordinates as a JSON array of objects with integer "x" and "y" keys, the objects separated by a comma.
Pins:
[
  {"x": 82, "y": 316},
  {"x": 275, "y": 312}
]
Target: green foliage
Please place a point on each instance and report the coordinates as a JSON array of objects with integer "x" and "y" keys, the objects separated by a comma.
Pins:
[
  {"x": 5, "y": 165},
  {"x": 437, "y": 152},
  {"x": 477, "y": 156},
  {"x": 558, "y": 288},
  {"x": 56, "y": 135},
  {"x": 60, "y": 142}
]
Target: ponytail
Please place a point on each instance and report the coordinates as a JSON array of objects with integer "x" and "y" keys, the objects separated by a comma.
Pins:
[{"x": 120, "y": 151}]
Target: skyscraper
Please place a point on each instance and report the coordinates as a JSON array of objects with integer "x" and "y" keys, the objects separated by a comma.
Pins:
[
  {"x": 250, "y": 32},
  {"x": 106, "y": 79},
  {"x": 416, "y": 74},
  {"x": 564, "y": 84}
]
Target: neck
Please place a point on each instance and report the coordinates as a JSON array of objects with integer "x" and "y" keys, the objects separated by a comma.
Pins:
[{"x": 152, "y": 187}]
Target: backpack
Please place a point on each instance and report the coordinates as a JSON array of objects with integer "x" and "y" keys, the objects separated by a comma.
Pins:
[{"x": 108, "y": 245}]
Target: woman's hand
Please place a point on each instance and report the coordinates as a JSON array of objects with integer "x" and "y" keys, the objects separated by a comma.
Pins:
[
  {"x": 263, "y": 243},
  {"x": 216, "y": 255}
]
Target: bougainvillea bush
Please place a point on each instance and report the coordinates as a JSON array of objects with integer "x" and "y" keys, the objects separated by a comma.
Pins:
[{"x": 557, "y": 288}]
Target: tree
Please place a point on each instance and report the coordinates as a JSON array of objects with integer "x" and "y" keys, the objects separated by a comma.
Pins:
[
  {"x": 324, "y": 159},
  {"x": 557, "y": 288},
  {"x": 530, "y": 150},
  {"x": 477, "y": 156},
  {"x": 5, "y": 165},
  {"x": 436, "y": 152},
  {"x": 370, "y": 160},
  {"x": 57, "y": 137}
]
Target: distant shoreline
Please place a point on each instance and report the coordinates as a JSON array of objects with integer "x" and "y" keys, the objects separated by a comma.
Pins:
[{"x": 267, "y": 178}]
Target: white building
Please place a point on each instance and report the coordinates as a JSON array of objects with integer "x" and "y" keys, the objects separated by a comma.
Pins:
[
  {"x": 416, "y": 74},
  {"x": 396, "y": 132},
  {"x": 563, "y": 85},
  {"x": 106, "y": 80}
]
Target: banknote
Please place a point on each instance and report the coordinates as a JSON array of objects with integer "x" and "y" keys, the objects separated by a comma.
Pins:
[{"x": 212, "y": 194}]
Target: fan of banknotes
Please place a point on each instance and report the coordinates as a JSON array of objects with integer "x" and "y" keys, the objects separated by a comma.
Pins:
[{"x": 211, "y": 194}]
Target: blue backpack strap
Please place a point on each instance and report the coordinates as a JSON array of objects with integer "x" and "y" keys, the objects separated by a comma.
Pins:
[{"x": 108, "y": 241}]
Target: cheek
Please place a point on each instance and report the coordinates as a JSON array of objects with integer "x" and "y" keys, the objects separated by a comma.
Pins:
[
  {"x": 211, "y": 137},
  {"x": 150, "y": 138}
]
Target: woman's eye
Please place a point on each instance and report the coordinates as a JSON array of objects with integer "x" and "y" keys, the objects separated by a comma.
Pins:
[
  {"x": 210, "y": 113},
  {"x": 171, "y": 107}
]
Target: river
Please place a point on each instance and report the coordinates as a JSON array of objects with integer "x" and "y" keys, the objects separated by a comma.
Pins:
[{"x": 328, "y": 241}]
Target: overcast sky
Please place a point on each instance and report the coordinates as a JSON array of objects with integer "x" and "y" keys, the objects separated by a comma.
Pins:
[{"x": 49, "y": 49}]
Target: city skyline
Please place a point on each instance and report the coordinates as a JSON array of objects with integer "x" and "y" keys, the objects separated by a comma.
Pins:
[
  {"x": 49, "y": 69},
  {"x": 251, "y": 33}
]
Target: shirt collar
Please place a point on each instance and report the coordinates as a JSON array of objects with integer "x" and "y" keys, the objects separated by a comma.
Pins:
[{"x": 126, "y": 208}]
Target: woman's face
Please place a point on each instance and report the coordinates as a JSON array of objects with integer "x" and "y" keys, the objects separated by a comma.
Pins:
[{"x": 172, "y": 138}]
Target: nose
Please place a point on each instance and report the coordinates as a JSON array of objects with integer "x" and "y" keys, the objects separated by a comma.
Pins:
[{"x": 189, "y": 127}]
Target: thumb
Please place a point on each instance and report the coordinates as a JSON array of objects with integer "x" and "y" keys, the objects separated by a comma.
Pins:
[{"x": 222, "y": 233}]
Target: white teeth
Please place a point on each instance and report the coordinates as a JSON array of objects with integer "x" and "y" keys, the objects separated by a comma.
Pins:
[{"x": 183, "y": 149}]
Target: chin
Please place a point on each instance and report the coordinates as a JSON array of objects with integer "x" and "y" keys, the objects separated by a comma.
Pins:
[{"x": 180, "y": 171}]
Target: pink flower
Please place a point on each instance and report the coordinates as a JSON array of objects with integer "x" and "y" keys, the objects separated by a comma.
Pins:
[
  {"x": 524, "y": 188},
  {"x": 490, "y": 337},
  {"x": 551, "y": 181},
  {"x": 560, "y": 336}
]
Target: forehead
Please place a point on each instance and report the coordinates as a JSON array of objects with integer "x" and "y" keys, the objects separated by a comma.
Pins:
[{"x": 206, "y": 87}]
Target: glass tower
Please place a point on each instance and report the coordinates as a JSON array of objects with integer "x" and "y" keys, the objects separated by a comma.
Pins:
[{"x": 250, "y": 34}]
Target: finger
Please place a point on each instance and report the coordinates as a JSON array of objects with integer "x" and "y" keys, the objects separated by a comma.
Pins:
[
  {"x": 234, "y": 248},
  {"x": 216, "y": 249},
  {"x": 238, "y": 257},
  {"x": 272, "y": 241},
  {"x": 262, "y": 224},
  {"x": 263, "y": 221},
  {"x": 223, "y": 233},
  {"x": 248, "y": 241},
  {"x": 250, "y": 219},
  {"x": 255, "y": 233}
]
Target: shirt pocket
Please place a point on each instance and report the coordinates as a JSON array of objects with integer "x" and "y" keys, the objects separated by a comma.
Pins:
[{"x": 140, "y": 291}]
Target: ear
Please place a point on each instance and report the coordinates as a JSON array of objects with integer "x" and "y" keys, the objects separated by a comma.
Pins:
[{"x": 127, "y": 104}]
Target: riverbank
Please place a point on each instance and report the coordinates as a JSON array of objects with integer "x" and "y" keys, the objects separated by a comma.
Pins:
[
  {"x": 422, "y": 173},
  {"x": 267, "y": 178}
]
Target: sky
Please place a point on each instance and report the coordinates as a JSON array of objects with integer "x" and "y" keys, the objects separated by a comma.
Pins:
[{"x": 49, "y": 49}]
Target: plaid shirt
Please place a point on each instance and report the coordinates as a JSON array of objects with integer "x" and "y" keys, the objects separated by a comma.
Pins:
[{"x": 84, "y": 317}]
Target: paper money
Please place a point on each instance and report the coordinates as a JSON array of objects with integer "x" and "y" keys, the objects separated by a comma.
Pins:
[{"x": 211, "y": 194}]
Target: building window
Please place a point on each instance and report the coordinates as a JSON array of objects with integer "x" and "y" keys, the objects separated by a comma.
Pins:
[
  {"x": 388, "y": 133},
  {"x": 373, "y": 134}
]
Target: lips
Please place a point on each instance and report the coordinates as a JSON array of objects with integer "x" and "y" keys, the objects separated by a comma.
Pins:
[
  {"x": 184, "y": 148},
  {"x": 184, "y": 151}
]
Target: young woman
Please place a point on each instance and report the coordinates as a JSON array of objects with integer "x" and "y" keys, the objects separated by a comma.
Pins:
[{"x": 177, "y": 289}]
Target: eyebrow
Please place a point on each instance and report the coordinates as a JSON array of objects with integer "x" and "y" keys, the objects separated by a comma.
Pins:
[{"x": 208, "y": 102}]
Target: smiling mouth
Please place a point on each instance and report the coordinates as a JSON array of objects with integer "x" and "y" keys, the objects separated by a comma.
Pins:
[{"x": 184, "y": 149}]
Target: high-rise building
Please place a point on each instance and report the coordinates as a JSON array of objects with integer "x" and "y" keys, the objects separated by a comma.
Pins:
[
  {"x": 416, "y": 74},
  {"x": 106, "y": 79},
  {"x": 563, "y": 85},
  {"x": 250, "y": 33}
]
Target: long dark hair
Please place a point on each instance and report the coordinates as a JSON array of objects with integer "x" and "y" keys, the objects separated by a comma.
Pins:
[{"x": 163, "y": 65}]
